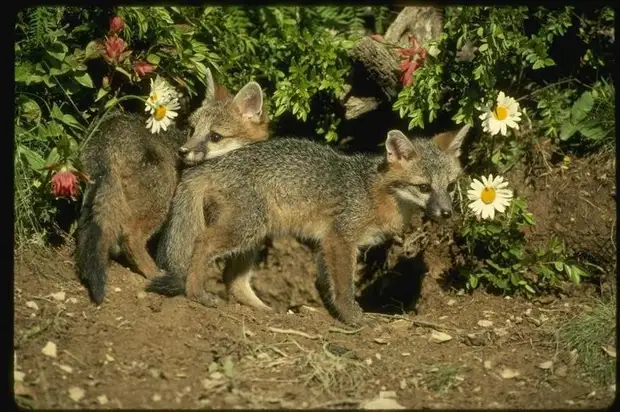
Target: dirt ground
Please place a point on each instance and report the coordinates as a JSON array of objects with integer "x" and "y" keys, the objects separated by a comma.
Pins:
[{"x": 455, "y": 350}]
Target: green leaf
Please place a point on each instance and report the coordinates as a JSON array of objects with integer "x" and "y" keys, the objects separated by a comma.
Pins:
[
  {"x": 567, "y": 130},
  {"x": 153, "y": 59},
  {"x": 125, "y": 72},
  {"x": 558, "y": 266},
  {"x": 592, "y": 131},
  {"x": 84, "y": 79},
  {"x": 102, "y": 92},
  {"x": 30, "y": 110},
  {"x": 582, "y": 107},
  {"x": 23, "y": 73},
  {"x": 53, "y": 157},
  {"x": 57, "y": 50},
  {"x": 483, "y": 47},
  {"x": 110, "y": 103},
  {"x": 473, "y": 281},
  {"x": 34, "y": 159}
]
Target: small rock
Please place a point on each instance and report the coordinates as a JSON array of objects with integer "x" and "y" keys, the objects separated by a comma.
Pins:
[
  {"x": 49, "y": 350},
  {"x": 231, "y": 399},
  {"x": 518, "y": 319},
  {"x": 378, "y": 356},
  {"x": 543, "y": 318},
  {"x": 477, "y": 389},
  {"x": 476, "y": 339},
  {"x": 387, "y": 395},
  {"x": 109, "y": 358},
  {"x": 561, "y": 371},
  {"x": 528, "y": 312},
  {"x": 485, "y": 323},
  {"x": 570, "y": 402},
  {"x": 451, "y": 302},
  {"x": 72, "y": 301},
  {"x": 381, "y": 341},
  {"x": 18, "y": 376},
  {"x": 217, "y": 375},
  {"x": 66, "y": 368},
  {"x": 156, "y": 397},
  {"x": 509, "y": 373},
  {"x": 368, "y": 361},
  {"x": 439, "y": 337},
  {"x": 403, "y": 384},
  {"x": 573, "y": 356},
  {"x": 382, "y": 404},
  {"x": 117, "y": 290},
  {"x": 546, "y": 365},
  {"x": 592, "y": 394},
  {"x": 488, "y": 365},
  {"x": 76, "y": 394},
  {"x": 32, "y": 305},
  {"x": 60, "y": 296},
  {"x": 103, "y": 400},
  {"x": 263, "y": 355},
  {"x": 400, "y": 325},
  {"x": 405, "y": 354},
  {"x": 500, "y": 332},
  {"x": 141, "y": 295}
]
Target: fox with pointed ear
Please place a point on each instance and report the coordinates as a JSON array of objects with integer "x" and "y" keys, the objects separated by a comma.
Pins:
[
  {"x": 135, "y": 174},
  {"x": 226, "y": 207}
]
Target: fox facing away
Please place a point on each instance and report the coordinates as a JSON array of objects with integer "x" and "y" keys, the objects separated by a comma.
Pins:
[
  {"x": 225, "y": 207},
  {"x": 135, "y": 174}
]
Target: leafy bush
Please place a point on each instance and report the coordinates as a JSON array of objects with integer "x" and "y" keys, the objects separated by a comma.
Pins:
[
  {"x": 515, "y": 49},
  {"x": 496, "y": 254}
]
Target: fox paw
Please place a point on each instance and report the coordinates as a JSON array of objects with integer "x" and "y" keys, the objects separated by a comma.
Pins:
[
  {"x": 350, "y": 314},
  {"x": 207, "y": 299}
]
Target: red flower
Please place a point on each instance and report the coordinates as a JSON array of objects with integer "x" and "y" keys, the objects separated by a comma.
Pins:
[
  {"x": 115, "y": 49},
  {"x": 65, "y": 184},
  {"x": 117, "y": 24},
  {"x": 142, "y": 68},
  {"x": 413, "y": 58}
]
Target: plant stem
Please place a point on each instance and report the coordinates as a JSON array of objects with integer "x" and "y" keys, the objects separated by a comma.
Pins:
[
  {"x": 547, "y": 87},
  {"x": 94, "y": 129}
]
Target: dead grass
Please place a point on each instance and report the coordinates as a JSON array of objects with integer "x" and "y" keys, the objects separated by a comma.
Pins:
[{"x": 593, "y": 334}]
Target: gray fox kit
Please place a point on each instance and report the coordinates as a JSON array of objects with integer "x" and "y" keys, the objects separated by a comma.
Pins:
[
  {"x": 135, "y": 174},
  {"x": 225, "y": 207}
]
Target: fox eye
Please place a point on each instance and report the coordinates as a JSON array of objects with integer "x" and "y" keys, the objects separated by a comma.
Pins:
[
  {"x": 451, "y": 186},
  {"x": 215, "y": 137},
  {"x": 424, "y": 188}
]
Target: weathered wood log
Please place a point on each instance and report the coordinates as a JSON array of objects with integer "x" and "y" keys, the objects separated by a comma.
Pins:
[{"x": 379, "y": 63}]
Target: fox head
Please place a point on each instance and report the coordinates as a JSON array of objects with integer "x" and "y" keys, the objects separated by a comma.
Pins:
[
  {"x": 224, "y": 123},
  {"x": 424, "y": 171}
]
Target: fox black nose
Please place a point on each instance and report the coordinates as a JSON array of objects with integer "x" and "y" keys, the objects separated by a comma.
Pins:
[
  {"x": 183, "y": 151},
  {"x": 446, "y": 213}
]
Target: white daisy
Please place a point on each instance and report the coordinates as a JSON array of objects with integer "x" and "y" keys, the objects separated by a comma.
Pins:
[
  {"x": 162, "y": 115},
  {"x": 489, "y": 195},
  {"x": 506, "y": 114},
  {"x": 160, "y": 91}
]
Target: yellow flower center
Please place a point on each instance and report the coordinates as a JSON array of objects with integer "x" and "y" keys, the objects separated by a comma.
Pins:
[
  {"x": 160, "y": 112},
  {"x": 488, "y": 195},
  {"x": 501, "y": 112}
]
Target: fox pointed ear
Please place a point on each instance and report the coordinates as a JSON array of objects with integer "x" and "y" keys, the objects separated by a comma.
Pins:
[
  {"x": 399, "y": 147},
  {"x": 450, "y": 142},
  {"x": 249, "y": 100},
  {"x": 210, "y": 93}
]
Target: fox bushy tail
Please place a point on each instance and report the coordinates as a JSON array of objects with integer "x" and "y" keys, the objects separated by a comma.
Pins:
[
  {"x": 174, "y": 252},
  {"x": 96, "y": 234}
]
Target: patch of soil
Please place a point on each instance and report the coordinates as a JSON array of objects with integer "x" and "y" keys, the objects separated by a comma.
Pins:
[{"x": 430, "y": 347}]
